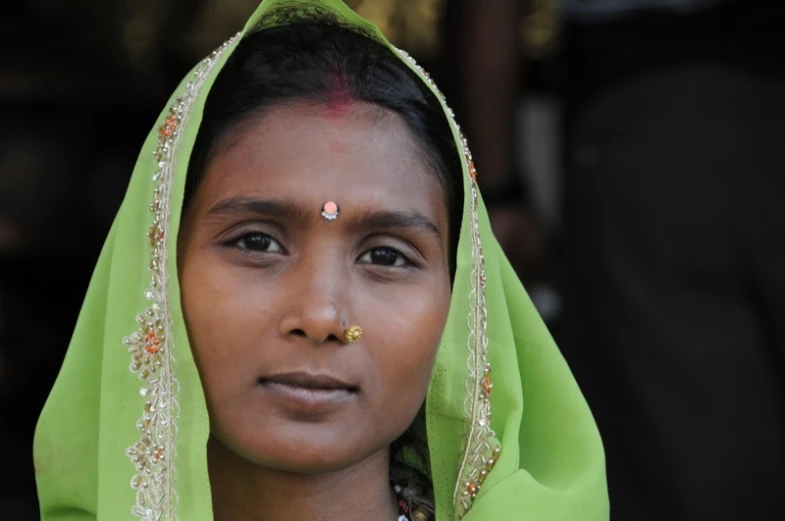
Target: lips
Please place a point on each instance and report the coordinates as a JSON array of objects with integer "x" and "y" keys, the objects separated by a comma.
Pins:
[
  {"x": 308, "y": 381},
  {"x": 308, "y": 393}
]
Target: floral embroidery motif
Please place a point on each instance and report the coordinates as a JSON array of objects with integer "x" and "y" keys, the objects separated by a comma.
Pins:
[
  {"x": 472, "y": 171},
  {"x": 150, "y": 346},
  {"x": 481, "y": 448}
]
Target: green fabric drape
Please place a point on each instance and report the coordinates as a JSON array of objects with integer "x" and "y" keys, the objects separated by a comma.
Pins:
[{"x": 116, "y": 443}]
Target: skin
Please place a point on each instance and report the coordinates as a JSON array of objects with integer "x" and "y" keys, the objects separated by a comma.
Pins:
[{"x": 269, "y": 286}]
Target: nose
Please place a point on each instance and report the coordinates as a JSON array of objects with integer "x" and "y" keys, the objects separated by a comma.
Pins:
[{"x": 314, "y": 306}]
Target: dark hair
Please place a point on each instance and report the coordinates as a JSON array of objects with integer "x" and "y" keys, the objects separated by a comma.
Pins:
[{"x": 314, "y": 61}]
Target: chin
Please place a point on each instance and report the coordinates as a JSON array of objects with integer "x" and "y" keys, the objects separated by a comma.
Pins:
[{"x": 302, "y": 449}]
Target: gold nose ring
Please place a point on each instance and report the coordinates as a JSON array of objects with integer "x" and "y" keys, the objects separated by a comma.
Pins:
[{"x": 352, "y": 334}]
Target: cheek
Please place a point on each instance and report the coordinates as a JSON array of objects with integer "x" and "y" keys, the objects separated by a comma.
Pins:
[
  {"x": 403, "y": 337},
  {"x": 408, "y": 331},
  {"x": 224, "y": 318}
]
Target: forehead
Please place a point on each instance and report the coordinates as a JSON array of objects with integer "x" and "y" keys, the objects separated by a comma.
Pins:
[{"x": 363, "y": 155}]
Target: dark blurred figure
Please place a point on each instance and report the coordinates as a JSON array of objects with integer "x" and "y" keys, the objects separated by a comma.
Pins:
[
  {"x": 674, "y": 272},
  {"x": 675, "y": 275},
  {"x": 484, "y": 82}
]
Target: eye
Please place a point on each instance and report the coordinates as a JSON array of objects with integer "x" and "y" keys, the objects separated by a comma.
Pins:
[
  {"x": 258, "y": 242},
  {"x": 385, "y": 256}
]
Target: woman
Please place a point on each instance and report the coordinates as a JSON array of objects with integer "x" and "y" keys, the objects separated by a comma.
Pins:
[{"x": 318, "y": 302}]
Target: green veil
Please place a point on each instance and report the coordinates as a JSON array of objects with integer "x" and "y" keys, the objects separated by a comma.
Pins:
[{"x": 116, "y": 443}]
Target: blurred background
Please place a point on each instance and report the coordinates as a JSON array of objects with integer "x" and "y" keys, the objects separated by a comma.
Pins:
[{"x": 631, "y": 156}]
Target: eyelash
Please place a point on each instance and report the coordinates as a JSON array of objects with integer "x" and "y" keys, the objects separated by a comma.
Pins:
[
  {"x": 407, "y": 263},
  {"x": 241, "y": 244}
]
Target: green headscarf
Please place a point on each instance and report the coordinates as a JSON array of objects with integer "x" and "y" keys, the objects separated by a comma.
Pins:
[{"x": 115, "y": 444}]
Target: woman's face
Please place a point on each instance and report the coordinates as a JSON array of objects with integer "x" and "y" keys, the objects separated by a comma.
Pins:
[{"x": 269, "y": 285}]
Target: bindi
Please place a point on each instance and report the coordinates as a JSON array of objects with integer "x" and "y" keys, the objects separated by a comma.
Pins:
[{"x": 330, "y": 210}]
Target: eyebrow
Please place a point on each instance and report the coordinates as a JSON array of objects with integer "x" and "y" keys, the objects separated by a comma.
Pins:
[
  {"x": 369, "y": 219},
  {"x": 241, "y": 205},
  {"x": 381, "y": 219}
]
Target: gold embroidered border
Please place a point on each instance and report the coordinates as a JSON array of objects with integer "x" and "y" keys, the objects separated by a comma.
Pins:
[
  {"x": 151, "y": 346},
  {"x": 481, "y": 448}
]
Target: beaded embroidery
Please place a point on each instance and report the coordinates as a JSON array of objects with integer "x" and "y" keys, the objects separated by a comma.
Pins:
[
  {"x": 151, "y": 346},
  {"x": 481, "y": 448}
]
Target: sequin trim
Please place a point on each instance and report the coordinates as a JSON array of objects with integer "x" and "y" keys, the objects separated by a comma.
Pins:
[
  {"x": 481, "y": 447},
  {"x": 151, "y": 346}
]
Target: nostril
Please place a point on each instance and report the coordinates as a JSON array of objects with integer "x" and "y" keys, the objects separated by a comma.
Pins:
[{"x": 314, "y": 337}]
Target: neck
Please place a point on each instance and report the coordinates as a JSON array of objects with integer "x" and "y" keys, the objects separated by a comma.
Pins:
[{"x": 244, "y": 491}]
